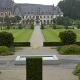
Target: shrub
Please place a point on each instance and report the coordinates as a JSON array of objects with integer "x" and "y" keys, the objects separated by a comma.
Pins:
[
  {"x": 6, "y": 39},
  {"x": 69, "y": 49},
  {"x": 68, "y": 37},
  {"x": 54, "y": 26},
  {"x": 77, "y": 71},
  {"x": 32, "y": 26},
  {"x": 5, "y": 51},
  {"x": 42, "y": 26},
  {"x": 20, "y": 26},
  {"x": 34, "y": 68}
]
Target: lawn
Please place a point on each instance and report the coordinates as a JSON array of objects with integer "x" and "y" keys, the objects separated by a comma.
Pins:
[
  {"x": 52, "y": 35},
  {"x": 20, "y": 35}
]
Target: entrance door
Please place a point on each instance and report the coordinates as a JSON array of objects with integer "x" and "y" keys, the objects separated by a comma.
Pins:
[{"x": 37, "y": 20}]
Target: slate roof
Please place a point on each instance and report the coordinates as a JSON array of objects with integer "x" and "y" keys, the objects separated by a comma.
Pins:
[
  {"x": 6, "y": 4},
  {"x": 36, "y": 9},
  {"x": 28, "y": 9}
]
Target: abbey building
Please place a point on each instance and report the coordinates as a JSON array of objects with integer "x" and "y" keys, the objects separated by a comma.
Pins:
[{"x": 37, "y": 12}]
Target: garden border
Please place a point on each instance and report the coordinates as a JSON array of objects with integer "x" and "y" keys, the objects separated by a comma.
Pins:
[
  {"x": 22, "y": 44},
  {"x": 51, "y": 44}
]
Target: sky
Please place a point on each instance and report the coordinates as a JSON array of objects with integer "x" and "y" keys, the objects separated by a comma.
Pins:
[{"x": 45, "y": 2}]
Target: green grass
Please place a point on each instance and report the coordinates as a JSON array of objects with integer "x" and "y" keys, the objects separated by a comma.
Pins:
[
  {"x": 20, "y": 35},
  {"x": 52, "y": 35}
]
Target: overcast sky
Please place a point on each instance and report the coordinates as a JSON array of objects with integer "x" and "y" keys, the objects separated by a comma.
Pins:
[{"x": 46, "y": 2}]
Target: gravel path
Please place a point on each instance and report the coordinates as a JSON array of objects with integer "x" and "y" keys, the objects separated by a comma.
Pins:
[{"x": 37, "y": 37}]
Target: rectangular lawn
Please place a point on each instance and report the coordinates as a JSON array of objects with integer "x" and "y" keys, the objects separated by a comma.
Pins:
[
  {"x": 52, "y": 35},
  {"x": 20, "y": 35}
]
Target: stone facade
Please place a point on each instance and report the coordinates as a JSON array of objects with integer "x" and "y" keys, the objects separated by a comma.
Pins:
[
  {"x": 6, "y": 8},
  {"x": 39, "y": 13}
]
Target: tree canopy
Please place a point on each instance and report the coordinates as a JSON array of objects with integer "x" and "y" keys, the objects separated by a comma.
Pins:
[{"x": 70, "y": 8}]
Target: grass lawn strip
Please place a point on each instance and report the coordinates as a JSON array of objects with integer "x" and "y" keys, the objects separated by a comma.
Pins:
[
  {"x": 51, "y": 35},
  {"x": 20, "y": 35}
]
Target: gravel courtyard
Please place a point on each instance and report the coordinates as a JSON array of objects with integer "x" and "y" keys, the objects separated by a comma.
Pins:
[{"x": 49, "y": 73}]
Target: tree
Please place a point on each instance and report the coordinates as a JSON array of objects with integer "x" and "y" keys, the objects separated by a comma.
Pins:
[
  {"x": 70, "y": 8},
  {"x": 77, "y": 23},
  {"x": 6, "y": 39},
  {"x": 32, "y": 26},
  {"x": 7, "y": 21},
  {"x": 59, "y": 20},
  {"x": 68, "y": 37},
  {"x": 67, "y": 22},
  {"x": 18, "y": 18},
  {"x": 13, "y": 20},
  {"x": 1, "y": 19},
  {"x": 42, "y": 26}
]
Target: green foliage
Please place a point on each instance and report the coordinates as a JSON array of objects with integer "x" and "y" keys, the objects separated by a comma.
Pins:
[
  {"x": 59, "y": 20},
  {"x": 18, "y": 18},
  {"x": 69, "y": 49},
  {"x": 5, "y": 51},
  {"x": 42, "y": 26},
  {"x": 68, "y": 37},
  {"x": 34, "y": 69},
  {"x": 32, "y": 26},
  {"x": 54, "y": 26},
  {"x": 1, "y": 19},
  {"x": 77, "y": 71},
  {"x": 77, "y": 23},
  {"x": 65, "y": 21},
  {"x": 7, "y": 21},
  {"x": 20, "y": 26},
  {"x": 70, "y": 8},
  {"x": 6, "y": 39},
  {"x": 13, "y": 20}
]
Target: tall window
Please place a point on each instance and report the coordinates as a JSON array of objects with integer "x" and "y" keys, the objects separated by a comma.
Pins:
[{"x": 40, "y": 16}]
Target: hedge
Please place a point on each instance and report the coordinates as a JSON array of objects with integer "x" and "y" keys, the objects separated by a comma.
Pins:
[
  {"x": 34, "y": 69},
  {"x": 67, "y": 37},
  {"x": 51, "y": 44},
  {"x": 6, "y": 39},
  {"x": 22, "y": 44}
]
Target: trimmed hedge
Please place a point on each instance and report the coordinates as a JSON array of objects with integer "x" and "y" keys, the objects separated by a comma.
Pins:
[
  {"x": 22, "y": 44},
  {"x": 51, "y": 44},
  {"x": 46, "y": 44},
  {"x": 6, "y": 39},
  {"x": 34, "y": 69},
  {"x": 68, "y": 37}
]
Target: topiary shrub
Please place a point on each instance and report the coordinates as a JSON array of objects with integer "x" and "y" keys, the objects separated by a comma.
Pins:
[
  {"x": 20, "y": 26},
  {"x": 34, "y": 69},
  {"x": 5, "y": 51},
  {"x": 42, "y": 26},
  {"x": 69, "y": 49},
  {"x": 68, "y": 37},
  {"x": 77, "y": 71},
  {"x": 6, "y": 39},
  {"x": 32, "y": 26}
]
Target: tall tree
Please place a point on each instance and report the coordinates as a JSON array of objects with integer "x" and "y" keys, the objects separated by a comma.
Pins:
[{"x": 70, "y": 8}]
